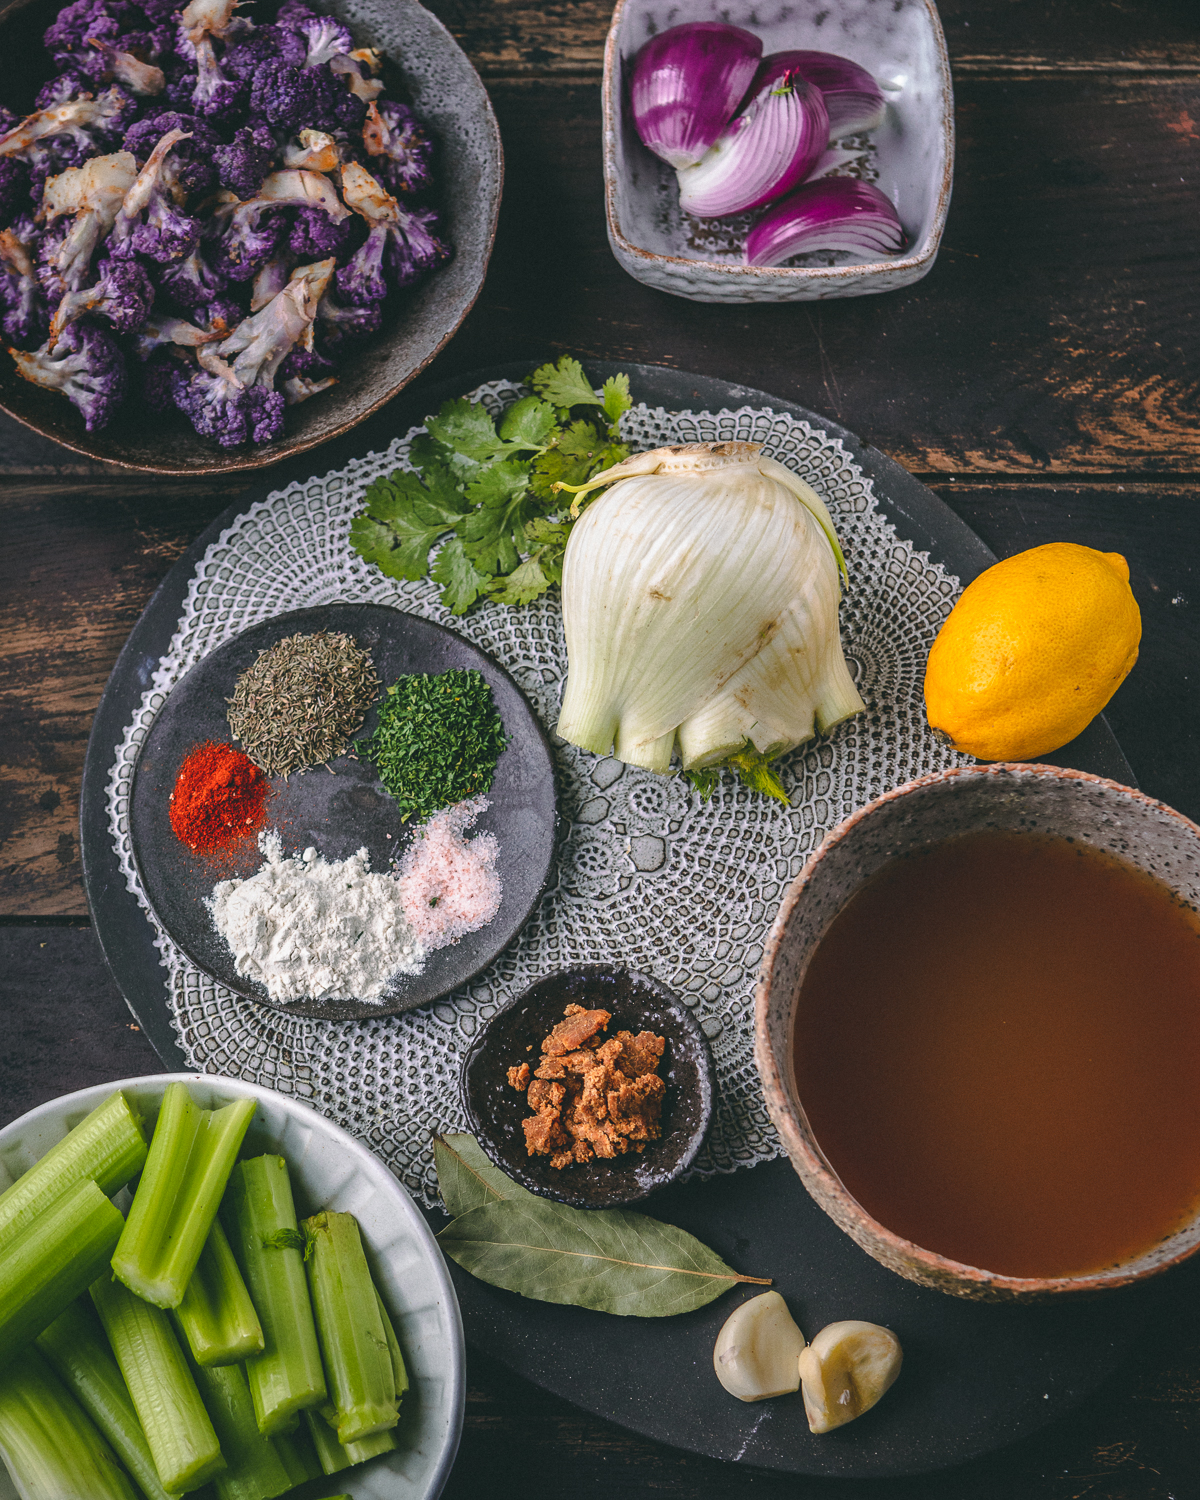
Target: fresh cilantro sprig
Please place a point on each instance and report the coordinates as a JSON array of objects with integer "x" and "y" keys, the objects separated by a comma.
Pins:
[{"x": 486, "y": 491}]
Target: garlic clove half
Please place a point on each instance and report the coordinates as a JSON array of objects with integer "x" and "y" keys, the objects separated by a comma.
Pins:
[
  {"x": 845, "y": 1370},
  {"x": 757, "y": 1350}
]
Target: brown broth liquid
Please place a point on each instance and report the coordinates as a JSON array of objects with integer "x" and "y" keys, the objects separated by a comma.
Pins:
[{"x": 998, "y": 1049}]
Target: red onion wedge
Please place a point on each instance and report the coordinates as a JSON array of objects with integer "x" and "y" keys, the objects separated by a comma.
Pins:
[
  {"x": 687, "y": 82},
  {"x": 837, "y": 213},
  {"x": 766, "y": 151},
  {"x": 852, "y": 96}
]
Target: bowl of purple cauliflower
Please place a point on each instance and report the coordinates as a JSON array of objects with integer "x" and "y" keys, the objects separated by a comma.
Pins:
[{"x": 230, "y": 232}]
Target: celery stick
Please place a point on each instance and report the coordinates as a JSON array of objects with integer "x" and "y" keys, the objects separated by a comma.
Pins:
[
  {"x": 259, "y": 1216},
  {"x": 354, "y": 1346},
  {"x": 399, "y": 1372},
  {"x": 216, "y": 1315},
  {"x": 47, "y": 1441},
  {"x": 335, "y": 1456},
  {"x": 191, "y": 1155},
  {"x": 255, "y": 1470},
  {"x": 54, "y": 1258},
  {"x": 297, "y": 1454},
  {"x": 107, "y": 1148},
  {"x": 81, "y": 1358},
  {"x": 178, "y": 1431}
]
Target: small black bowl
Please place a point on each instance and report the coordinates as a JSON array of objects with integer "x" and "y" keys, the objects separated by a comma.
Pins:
[{"x": 514, "y": 1035}]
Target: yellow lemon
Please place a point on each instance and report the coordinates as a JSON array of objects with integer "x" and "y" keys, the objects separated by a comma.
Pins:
[{"x": 1032, "y": 652}]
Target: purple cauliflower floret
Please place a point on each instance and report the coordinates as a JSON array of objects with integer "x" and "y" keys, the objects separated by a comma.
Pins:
[
  {"x": 83, "y": 204},
  {"x": 66, "y": 39},
  {"x": 315, "y": 235},
  {"x": 62, "y": 89},
  {"x": 86, "y": 366},
  {"x": 222, "y": 315},
  {"x": 191, "y": 165},
  {"x": 399, "y": 150},
  {"x": 306, "y": 364},
  {"x": 240, "y": 237},
  {"x": 247, "y": 54},
  {"x": 162, "y": 12},
  {"x": 191, "y": 282},
  {"x": 26, "y": 318},
  {"x": 325, "y": 38},
  {"x": 294, "y": 13},
  {"x": 286, "y": 97},
  {"x": 215, "y": 95},
  {"x": 244, "y": 163},
  {"x": 398, "y": 250},
  {"x": 220, "y": 408},
  {"x": 66, "y": 135},
  {"x": 123, "y": 296},
  {"x": 150, "y": 223},
  {"x": 341, "y": 324}
]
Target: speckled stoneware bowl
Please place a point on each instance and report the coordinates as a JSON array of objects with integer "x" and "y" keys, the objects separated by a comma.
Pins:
[
  {"x": 427, "y": 68},
  {"x": 899, "y": 41},
  {"x": 1023, "y": 798},
  {"x": 514, "y": 1035}
]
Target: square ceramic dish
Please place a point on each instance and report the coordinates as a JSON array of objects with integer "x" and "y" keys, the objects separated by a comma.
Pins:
[
  {"x": 329, "y": 1169},
  {"x": 899, "y": 41}
]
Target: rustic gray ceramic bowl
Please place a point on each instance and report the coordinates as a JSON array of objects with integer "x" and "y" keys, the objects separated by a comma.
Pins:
[
  {"x": 899, "y": 41},
  {"x": 1026, "y": 798},
  {"x": 429, "y": 69}
]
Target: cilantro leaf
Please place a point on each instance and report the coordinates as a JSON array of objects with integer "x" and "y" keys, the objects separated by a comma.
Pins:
[
  {"x": 617, "y": 399},
  {"x": 499, "y": 483},
  {"x": 522, "y": 585},
  {"x": 564, "y": 384},
  {"x": 579, "y": 440},
  {"x": 461, "y": 584},
  {"x": 529, "y": 422},
  {"x": 465, "y": 428},
  {"x": 404, "y": 518}
]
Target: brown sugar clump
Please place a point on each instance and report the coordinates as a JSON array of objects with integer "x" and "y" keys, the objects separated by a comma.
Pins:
[{"x": 592, "y": 1098}]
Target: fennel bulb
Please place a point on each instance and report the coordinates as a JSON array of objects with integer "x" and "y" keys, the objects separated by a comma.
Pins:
[{"x": 700, "y": 596}]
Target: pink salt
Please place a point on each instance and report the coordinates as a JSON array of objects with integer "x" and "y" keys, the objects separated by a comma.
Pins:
[{"x": 449, "y": 884}]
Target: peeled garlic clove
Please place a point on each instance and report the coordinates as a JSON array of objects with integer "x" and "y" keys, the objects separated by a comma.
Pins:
[
  {"x": 756, "y": 1351},
  {"x": 845, "y": 1370}
]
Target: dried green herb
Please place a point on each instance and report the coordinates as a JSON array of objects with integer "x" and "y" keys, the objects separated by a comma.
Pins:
[
  {"x": 437, "y": 742},
  {"x": 608, "y": 1259},
  {"x": 301, "y": 701}
]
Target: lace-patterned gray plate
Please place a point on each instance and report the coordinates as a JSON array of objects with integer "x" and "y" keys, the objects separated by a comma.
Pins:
[{"x": 648, "y": 875}]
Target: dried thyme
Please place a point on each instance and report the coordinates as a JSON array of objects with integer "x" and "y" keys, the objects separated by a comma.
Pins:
[
  {"x": 437, "y": 742},
  {"x": 301, "y": 701}
]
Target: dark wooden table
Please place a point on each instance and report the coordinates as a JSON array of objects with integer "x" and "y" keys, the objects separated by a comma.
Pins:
[{"x": 1043, "y": 379}]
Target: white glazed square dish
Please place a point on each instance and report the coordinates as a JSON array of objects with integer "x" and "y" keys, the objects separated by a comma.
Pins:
[
  {"x": 899, "y": 41},
  {"x": 329, "y": 1169}
]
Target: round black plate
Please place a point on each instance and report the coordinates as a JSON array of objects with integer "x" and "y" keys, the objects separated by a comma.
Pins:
[
  {"x": 341, "y": 812},
  {"x": 514, "y": 1035},
  {"x": 976, "y": 1377}
]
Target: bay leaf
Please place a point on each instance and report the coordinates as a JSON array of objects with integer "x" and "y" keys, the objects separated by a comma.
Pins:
[
  {"x": 608, "y": 1259},
  {"x": 466, "y": 1176}
]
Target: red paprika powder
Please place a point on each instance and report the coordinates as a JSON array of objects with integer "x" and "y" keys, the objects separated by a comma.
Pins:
[{"x": 219, "y": 796}]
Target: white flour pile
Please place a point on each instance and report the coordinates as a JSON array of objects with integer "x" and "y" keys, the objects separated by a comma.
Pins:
[{"x": 307, "y": 929}]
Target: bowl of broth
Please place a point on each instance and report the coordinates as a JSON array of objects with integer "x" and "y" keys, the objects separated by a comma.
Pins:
[{"x": 978, "y": 1031}]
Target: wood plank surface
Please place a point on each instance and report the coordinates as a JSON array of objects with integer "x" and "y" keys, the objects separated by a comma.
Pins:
[{"x": 565, "y": 38}]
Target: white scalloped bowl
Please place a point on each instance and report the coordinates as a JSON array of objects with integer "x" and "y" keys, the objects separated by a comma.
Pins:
[{"x": 329, "y": 1169}]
